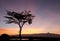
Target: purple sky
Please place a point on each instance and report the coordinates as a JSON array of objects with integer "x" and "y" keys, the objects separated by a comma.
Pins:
[{"x": 47, "y": 14}]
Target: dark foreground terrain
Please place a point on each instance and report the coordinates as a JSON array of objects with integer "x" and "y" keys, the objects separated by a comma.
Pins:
[{"x": 41, "y": 37}]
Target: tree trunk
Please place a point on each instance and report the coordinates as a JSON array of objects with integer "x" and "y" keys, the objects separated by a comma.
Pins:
[
  {"x": 20, "y": 33},
  {"x": 20, "y": 26},
  {"x": 20, "y": 29}
]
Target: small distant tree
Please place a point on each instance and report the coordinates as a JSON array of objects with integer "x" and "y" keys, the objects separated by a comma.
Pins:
[{"x": 19, "y": 18}]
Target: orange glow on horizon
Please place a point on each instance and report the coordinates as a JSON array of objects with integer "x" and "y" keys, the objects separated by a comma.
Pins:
[
  {"x": 32, "y": 31},
  {"x": 14, "y": 31}
]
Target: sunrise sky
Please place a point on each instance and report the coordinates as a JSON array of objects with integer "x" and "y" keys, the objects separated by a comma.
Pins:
[{"x": 46, "y": 12}]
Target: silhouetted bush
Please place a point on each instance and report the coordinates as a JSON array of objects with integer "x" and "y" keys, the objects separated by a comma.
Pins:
[{"x": 4, "y": 37}]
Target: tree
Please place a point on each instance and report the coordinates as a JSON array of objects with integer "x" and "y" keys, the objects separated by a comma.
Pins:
[{"x": 19, "y": 18}]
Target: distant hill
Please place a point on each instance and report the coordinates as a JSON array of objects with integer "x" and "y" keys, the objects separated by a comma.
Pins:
[{"x": 42, "y": 35}]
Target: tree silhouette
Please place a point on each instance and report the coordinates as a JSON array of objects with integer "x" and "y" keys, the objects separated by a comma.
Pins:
[{"x": 19, "y": 18}]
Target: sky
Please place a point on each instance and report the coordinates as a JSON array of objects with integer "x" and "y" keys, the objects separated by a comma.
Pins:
[{"x": 46, "y": 12}]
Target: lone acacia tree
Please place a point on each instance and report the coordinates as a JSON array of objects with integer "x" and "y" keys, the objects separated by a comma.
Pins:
[{"x": 19, "y": 18}]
